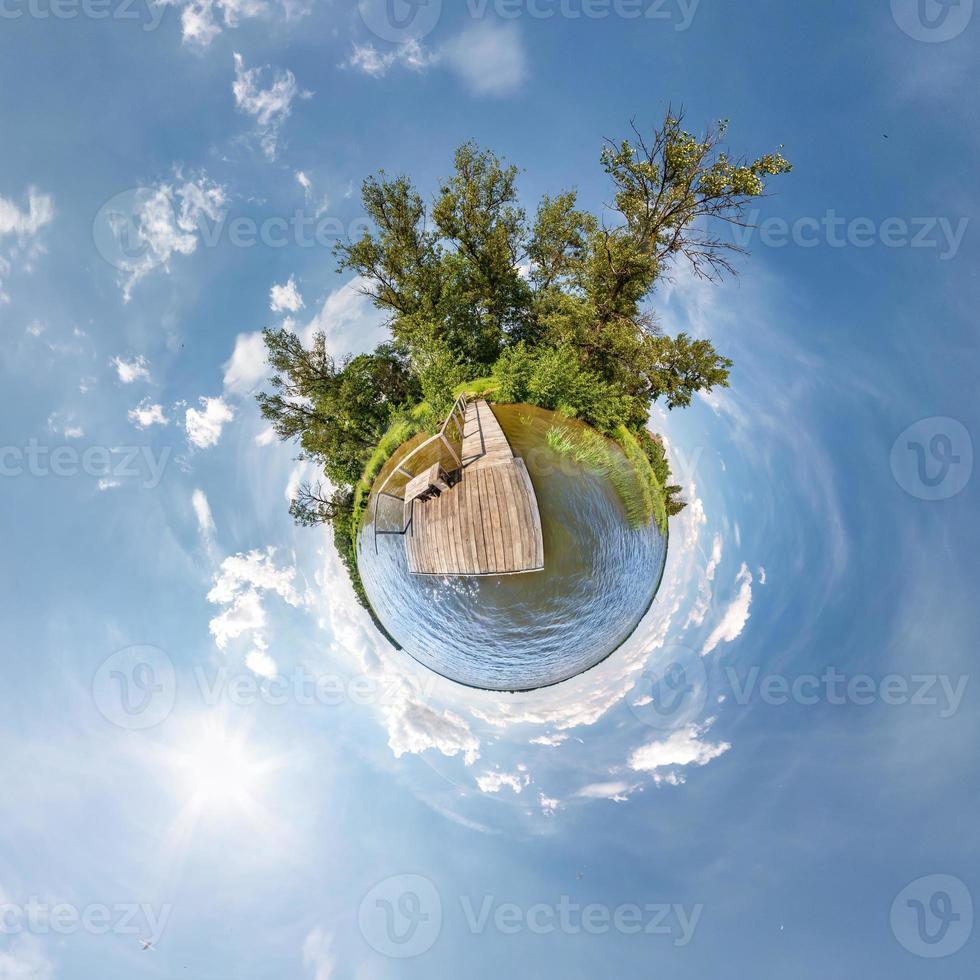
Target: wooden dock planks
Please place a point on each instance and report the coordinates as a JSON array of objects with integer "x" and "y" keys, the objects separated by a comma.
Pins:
[
  {"x": 484, "y": 442},
  {"x": 488, "y": 524}
]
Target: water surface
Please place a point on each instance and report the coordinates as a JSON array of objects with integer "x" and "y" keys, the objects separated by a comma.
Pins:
[{"x": 519, "y": 632}]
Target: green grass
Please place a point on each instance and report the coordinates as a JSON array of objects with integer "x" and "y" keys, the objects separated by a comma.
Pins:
[
  {"x": 653, "y": 489},
  {"x": 628, "y": 470},
  {"x": 477, "y": 388}
]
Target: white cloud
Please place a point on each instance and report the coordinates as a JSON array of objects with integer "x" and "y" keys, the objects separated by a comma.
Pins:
[
  {"x": 414, "y": 726},
  {"x": 551, "y": 740},
  {"x": 349, "y": 320},
  {"x": 204, "y": 427},
  {"x": 548, "y": 804},
  {"x": 318, "y": 954},
  {"x": 144, "y": 229},
  {"x": 254, "y": 569},
  {"x": 617, "y": 791},
  {"x": 494, "y": 781},
  {"x": 259, "y": 662},
  {"x": 202, "y": 21},
  {"x": 22, "y": 227},
  {"x": 24, "y": 959},
  {"x": 735, "y": 617},
  {"x": 106, "y": 484},
  {"x": 129, "y": 371},
  {"x": 304, "y": 181},
  {"x": 489, "y": 57},
  {"x": 681, "y": 748},
  {"x": 25, "y": 224},
  {"x": 703, "y": 602},
  {"x": 266, "y": 437},
  {"x": 285, "y": 298},
  {"x": 202, "y": 510},
  {"x": 366, "y": 58},
  {"x": 270, "y": 106},
  {"x": 247, "y": 366},
  {"x": 240, "y": 585},
  {"x": 146, "y": 414},
  {"x": 244, "y": 614}
]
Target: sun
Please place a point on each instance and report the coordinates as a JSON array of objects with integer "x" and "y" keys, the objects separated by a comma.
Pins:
[{"x": 218, "y": 770}]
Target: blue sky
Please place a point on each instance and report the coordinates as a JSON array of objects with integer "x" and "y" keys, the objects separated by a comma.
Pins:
[{"x": 297, "y": 770}]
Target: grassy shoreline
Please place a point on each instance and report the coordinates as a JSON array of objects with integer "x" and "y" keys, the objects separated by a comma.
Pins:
[{"x": 622, "y": 460}]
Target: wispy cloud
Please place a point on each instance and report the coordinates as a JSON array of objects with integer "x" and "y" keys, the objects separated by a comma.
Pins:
[
  {"x": 267, "y": 95},
  {"x": 142, "y": 230},
  {"x": 247, "y": 366},
  {"x": 489, "y": 58},
  {"x": 18, "y": 233},
  {"x": 736, "y": 614},
  {"x": 684, "y": 747},
  {"x": 318, "y": 954}
]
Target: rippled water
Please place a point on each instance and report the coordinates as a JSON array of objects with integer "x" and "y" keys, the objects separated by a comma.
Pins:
[{"x": 519, "y": 632}]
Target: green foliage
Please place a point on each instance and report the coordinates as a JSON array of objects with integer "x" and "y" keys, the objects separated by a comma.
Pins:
[
  {"x": 548, "y": 310},
  {"x": 441, "y": 370},
  {"x": 336, "y": 413},
  {"x": 553, "y": 377}
]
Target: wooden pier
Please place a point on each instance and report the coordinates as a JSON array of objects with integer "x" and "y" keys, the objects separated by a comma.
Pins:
[{"x": 488, "y": 522}]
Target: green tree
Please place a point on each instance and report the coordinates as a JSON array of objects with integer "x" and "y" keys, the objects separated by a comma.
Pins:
[{"x": 337, "y": 414}]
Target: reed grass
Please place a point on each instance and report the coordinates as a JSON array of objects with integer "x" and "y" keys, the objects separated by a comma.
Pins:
[{"x": 623, "y": 463}]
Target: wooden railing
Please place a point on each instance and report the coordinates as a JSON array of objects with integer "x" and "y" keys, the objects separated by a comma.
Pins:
[{"x": 445, "y": 446}]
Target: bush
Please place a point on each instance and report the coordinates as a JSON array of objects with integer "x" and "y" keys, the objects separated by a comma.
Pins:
[
  {"x": 512, "y": 373},
  {"x": 553, "y": 377}
]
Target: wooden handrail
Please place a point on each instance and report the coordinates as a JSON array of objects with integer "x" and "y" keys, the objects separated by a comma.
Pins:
[{"x": 403, "y": 468}]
